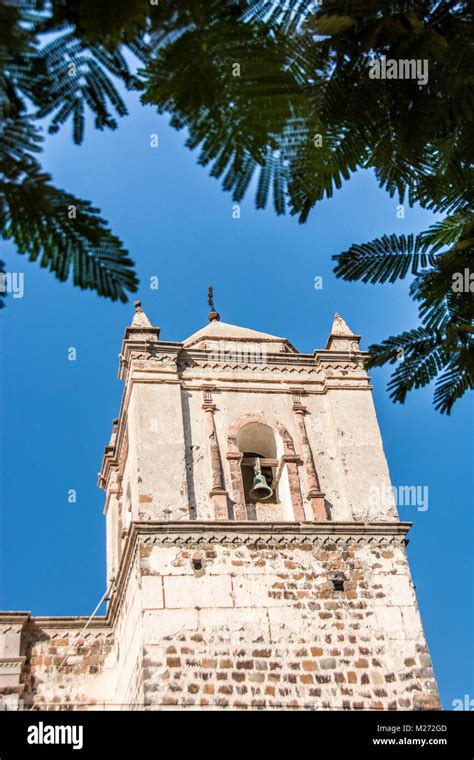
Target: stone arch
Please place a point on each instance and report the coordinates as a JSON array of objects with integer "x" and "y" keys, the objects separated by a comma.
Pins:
[
  {"x": 290, "y": 459},
  {"x": 236, "y": 426}
]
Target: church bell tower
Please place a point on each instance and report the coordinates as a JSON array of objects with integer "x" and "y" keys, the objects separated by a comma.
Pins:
[
  {"x": 255, "y": 558},
  {"x": 253, "y": 565}
]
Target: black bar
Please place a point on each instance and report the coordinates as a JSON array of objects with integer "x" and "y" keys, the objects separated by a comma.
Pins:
[{"x": 304, "y": 734}]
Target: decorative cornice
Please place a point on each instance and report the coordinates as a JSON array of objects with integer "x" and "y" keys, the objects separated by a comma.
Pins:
[
  {"x": 11, "y": 664},
  {"x": 174, "y": 353},
  {"x": 265, "y": 539},
  {"x": 324, "y": 355},
  {"x": 275, "y": 385},
  {"x": 222, "y": 529},
  {"x": 62, "y": 622},
  {"x": 14, "y": 618},
  {"x": 144, "y": 344},
  {"x": 98, "y": 628},
  {"x": 258, "y": 366},
  {"x": 10, "y": 674}
]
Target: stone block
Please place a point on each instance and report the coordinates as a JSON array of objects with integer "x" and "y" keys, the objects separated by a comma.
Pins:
[
  {"x": 191, "y": 592},
  {"x": 152, "y": 592},
  {"x": 264, "y": 591},
  {"x": 159, "y": 624}
]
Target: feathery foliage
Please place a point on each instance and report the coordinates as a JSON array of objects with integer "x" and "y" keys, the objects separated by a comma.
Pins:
[
  {"x": 65, "y": 234},
  {"x": 305, "y": 71},
  {"x": 283, "y": 93},
  {"x": 442, "y": 348}
]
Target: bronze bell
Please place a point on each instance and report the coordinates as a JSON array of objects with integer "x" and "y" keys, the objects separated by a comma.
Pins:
[{"x": 260, "y": 489}]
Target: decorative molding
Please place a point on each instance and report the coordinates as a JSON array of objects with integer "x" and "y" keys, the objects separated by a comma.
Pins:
[
  {"x": 73, "y": 627},
  {"x": 152, "y": 359},
  {"x": 10, "y": 675},
  {"x": 315, "y": 533},
  {"x": 256, "y": 367},
  {"x": 11, "y": 664},
  {"x": 13, "y": 618},
  {"x": 264, "y": 540},
  {"x": 271, "y": 366},
  {"x": 249, "y": 385}
]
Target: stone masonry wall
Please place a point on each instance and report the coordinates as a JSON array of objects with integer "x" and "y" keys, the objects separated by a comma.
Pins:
[
  {"x": 65, "y": 670},
  {"x": 260, "y": 622},
  {"x": 263, "y": 627}
]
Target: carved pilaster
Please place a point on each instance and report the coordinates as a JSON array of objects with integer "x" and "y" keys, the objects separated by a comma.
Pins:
[
  {"x": 315, "y": 495},
  {"x": 217, "y": 493},
  {"x": 235, "y": 461},
  {"x": 292, "y": 461}
]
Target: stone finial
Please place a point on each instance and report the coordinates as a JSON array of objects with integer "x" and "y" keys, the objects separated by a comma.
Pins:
[
  {"x": 213, "y": 315},
  {"x": 339, "y": 327},
  {"x": 139, "y": 337},
  {"x": 140, "y": 319},
  {"x": 341, "y": 337}
]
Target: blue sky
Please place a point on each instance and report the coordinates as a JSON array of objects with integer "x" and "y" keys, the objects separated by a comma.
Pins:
[{"x": 178, "y": 225}]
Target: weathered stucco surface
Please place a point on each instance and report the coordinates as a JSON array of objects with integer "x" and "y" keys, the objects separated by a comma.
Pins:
[{"x": 219, "y": 602}]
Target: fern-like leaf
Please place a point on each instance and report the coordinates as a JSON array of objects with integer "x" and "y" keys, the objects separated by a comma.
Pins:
[{"x": 388, "y": 258}]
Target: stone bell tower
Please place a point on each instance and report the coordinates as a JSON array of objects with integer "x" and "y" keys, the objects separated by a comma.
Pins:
[{"x": 296, "y": 594}]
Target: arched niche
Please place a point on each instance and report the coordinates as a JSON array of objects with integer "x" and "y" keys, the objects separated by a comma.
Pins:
[
  {"x": 256, "y": 441},
  {"x": 256, "y": 433}
]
